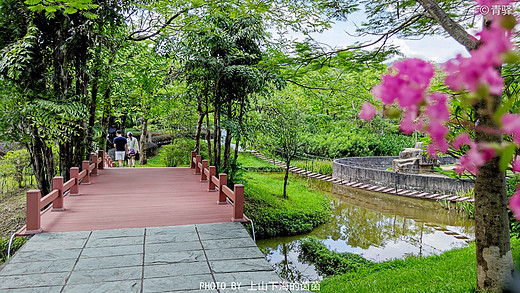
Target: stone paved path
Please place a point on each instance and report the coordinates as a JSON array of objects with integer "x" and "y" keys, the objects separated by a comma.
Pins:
[{"x": 191, "y": 258}]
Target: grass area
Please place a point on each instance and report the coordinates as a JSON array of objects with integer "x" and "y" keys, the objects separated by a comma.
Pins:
[
  {"x": 251, "y": 163},
  {"x": 12, "y": 218},
  {"x": 273, "y": 215},
  {"x": 452, "y": 271},
  {"x": 319, "y": 166}
]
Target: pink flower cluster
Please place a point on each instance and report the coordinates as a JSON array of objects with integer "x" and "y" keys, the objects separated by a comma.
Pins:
[{"x": 408, "y": 81}]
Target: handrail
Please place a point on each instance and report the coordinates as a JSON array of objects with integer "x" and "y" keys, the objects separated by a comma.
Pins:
[
  {"x": 35, "y": 201},
  {"x": 49, "y": 198},
  {"x": 208, "y": 173}
]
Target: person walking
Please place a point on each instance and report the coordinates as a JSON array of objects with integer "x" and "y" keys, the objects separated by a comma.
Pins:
[
  {"x": 120, "y": 144},
  {"x": 133, "y": 149}
]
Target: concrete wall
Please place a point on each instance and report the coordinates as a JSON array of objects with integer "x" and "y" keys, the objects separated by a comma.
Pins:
[{"x": 371, "y": 170}]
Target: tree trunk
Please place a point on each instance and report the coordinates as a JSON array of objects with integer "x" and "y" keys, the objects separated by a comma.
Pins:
[
  {"x": 286, "y": 177},
  {"x": 105, "y": 120},
  {"x": 494, "y": 259},
  {"x": 42, "y": 162},
  {"x": 208, "y": 132},
  {"x": 142, "y": 143},
  {"x": 239, "y": 133},
  {"x": 199, "y": 127},
  {"x": 227, "y": 142}
]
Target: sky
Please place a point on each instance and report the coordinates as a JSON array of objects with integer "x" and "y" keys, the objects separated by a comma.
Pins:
[
  {"x": 435, "y": 48},
  {"x": 438, "y": 49}
]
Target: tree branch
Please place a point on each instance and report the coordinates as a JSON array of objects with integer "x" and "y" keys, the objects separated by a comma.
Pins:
[
  {"x": 315, "y": 88},
  {"x": 167, "y": 23},
  {"x": 452, "y": 28}
]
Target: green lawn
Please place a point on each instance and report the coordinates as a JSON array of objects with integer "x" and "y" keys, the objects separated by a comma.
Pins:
[
  {"x": 273, "y": 215},
  {"x": 452, "y": 271},
  {"x": 254, "y": 164}
]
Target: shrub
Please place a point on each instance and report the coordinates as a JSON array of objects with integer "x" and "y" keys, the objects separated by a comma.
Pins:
[
  {"x": 275, "y": 216},
  {"x": 4, "y": 243},
  {"x": 330, "y": 262}
]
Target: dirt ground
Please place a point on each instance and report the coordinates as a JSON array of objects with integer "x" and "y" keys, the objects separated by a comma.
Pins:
[{"x": 12, "y": 212}]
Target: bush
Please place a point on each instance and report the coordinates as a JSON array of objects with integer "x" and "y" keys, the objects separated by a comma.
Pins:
[
  {"x": 275, "y": 216},
  {"x": 178, "y": 153},
  {"x": 4, "y": 243},
  {"x": 328, "y": 262}
]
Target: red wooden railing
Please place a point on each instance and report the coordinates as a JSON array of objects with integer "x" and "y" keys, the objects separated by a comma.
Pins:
[
  {"x": 35, "y": 201},
  {"x": 208, "y": 173}
]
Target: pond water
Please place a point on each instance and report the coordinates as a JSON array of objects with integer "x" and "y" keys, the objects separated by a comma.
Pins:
[{"x": 375, "y": 225}]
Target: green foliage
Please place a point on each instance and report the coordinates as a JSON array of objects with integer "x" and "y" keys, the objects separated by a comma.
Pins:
[
  {"x": 276, "y": 216},
  {"x": 329, "y": 262},
  {"x": 69, "y": 7},
  {"x": 4, "y": 244},
  {"x": 15, "y": 164}
]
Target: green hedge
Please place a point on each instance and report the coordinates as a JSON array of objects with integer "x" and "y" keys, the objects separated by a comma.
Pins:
[{"x": 274, "y": 216}]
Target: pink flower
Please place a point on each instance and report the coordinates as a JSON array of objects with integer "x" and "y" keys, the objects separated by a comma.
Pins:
[
  {"x": 409, "y": 123},
  {"x": 416, "y": 70},
  {"x": 432, "y": 151},
  {"x": 516, "y": 165},
  {"x": 461, "y": 139},
  {"x": 437, "y": 132},
  {"x": 437, "y": 108},
  {"x": 367, "y": 111},
  {"x": 514, "y": 203},
  {"x": 511, "y": 125}
]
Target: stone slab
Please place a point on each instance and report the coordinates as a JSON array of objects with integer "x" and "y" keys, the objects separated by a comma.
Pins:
[
  {"x": 42, "y": 267},
  {"x": 234, "y": 253},
  {"x": 177, "y": 269},
  {"x": 172, "y": 246},
  {"x": 115, "y": 241},
  {"x": 112, "y": 251},
  {"x": 106, "y": 275},
  {"x": 240, "y": 265},
  {"x": 173, "y": 284},
  {"x": 130, "y": 286},
  {"x": 107, "y": 262},
  {"x": 116, "y": 233}
]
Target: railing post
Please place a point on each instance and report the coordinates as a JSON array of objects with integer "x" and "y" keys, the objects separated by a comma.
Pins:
[
  {"x": 198, "y": 158},
  {"x": 203, "y": 176},
  {"x": 193, "y": 154},
  {"x": 212, "y": 172},
  {"x": 85, "y": 166},
  {"x": 74, "y": 173},
  {"x": 33, "y": 212},
  {"x": 95, "y": 161},
  {"x": 101, "y": 159},
  {"x": 57, "y": 184},
  {"x": 238, "y": 205},
  {"x": 222, "y": 180}
]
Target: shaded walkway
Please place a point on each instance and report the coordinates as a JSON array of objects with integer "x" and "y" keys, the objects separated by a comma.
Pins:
[{"x": 137, "y": 198}]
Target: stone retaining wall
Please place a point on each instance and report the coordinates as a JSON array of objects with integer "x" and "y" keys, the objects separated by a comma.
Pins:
[{"x": 372, "y": 170}]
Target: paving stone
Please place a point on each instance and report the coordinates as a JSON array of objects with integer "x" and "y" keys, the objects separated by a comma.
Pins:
[
  {"x": 223, "y": 234},
  {"x": 177, "y": 269},
  {"x": 112, "y": 251},
  {"x": 52, "y": 289},
  {"x": 234, "y": 253},
  {"x": 115, "y": 233},
  {"x": 172, "y": 246},
  {"x": 43, "y": 237},
  {"x": 109, "y": 262},
  {"x": 170, "y": 230},
  {"x": 105, "y": 275},
  {"x": 34, "y": 256},
  {"x": 118, "y": 286},
  {"x": 220, "y": 226},
  {"x": 33, "y": 280},
  {"x": 172, "y": 284},
  {"x": 42, "y": 267},
  {"x": 115, "y": 241},
  {"x": 53, "y": 244},
  {"x": 240, "y": 265},
  {"x": 248, "y": 278},
  {"x": 173, "y": 257},
  {"x": 228, "y": 243},
  {"x": 177, "y": 237}
]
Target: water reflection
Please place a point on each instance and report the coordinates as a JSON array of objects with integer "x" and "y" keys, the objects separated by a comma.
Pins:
[{"x": 378, "y": 226}]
